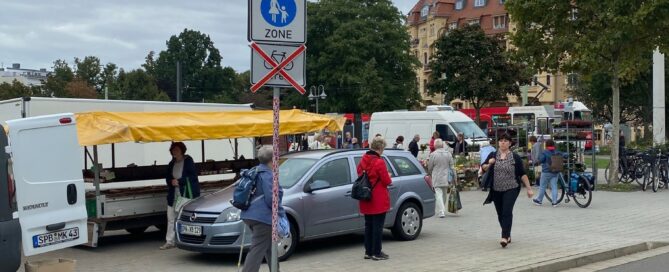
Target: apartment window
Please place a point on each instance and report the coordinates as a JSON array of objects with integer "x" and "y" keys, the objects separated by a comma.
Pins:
[
  {"x": 534, "y": 81},
  {"x": 425, "y": 86},
  {"x": 424, "y": 11},
  {"x": 479, "y": 3},
  {"x": 459, "y": 4},
  {"x": 431, "y": 30},
  {"x": 548, "y": 79},
  {"x": 452, "y": 25},
  {"x": 499, "y": 22},
  {"x": 474, "y": 22},
  {"x": 425, "y": 58}
]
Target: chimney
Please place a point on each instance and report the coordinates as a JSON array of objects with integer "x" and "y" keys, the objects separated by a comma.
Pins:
[{"x": 16, "y": 66}]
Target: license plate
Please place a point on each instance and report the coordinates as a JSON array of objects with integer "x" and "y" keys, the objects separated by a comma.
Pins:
[
  {"x": 56, "y": 237},
  {"x": 191, "y": 230}
]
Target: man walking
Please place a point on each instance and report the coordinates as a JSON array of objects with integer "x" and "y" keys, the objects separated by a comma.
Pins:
[{"x": 413, "y": 145}]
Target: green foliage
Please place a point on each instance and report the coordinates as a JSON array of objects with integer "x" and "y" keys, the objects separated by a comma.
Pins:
[
  {"x": 202, "y": 74},
  {"x": 136, "y": 85},
  {"x": 88, "y": 70},
  {"x": 469, "y": 65},
  {"x": 16, "y": 89},
  {"x": 359, "y": 50}
]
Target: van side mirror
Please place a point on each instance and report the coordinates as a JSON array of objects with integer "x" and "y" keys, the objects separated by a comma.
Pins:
[{"x": 317, "y": 185}]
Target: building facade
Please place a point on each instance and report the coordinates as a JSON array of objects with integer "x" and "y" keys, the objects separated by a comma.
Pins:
[
  {"x": 428, "y": 20},
  {"x": 29, "y": 77}
]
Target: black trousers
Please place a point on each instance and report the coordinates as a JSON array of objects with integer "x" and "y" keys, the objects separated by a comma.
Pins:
[
  {"x": 504, "y": 202},
  {"x": 374, "y": 233}
]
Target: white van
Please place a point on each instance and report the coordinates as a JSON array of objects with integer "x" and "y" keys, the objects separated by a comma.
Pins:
[{"x": 409, "y": 123}]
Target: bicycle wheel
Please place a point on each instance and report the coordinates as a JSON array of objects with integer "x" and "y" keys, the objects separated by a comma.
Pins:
[
  {"x": 561, "y": 188},
  {"x": 583, "y": 194},
  {"x": 622, "y": 178},
  {"x": 656, "y": 179},
  {"x": 646, "y": 177}
]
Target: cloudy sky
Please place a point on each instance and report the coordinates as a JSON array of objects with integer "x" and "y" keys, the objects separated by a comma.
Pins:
[{"x": 35, "y": 33}]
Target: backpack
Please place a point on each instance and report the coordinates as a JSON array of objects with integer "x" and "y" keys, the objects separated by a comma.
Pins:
[
  {"x": 245, "y": 189},
  {"x": 557, "y": 163},
  {"x": 362, "y": 189}
]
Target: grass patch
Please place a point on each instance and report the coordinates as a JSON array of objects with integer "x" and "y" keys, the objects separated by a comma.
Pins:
[
  {"x": 601, "y": 163},
  {"x": 620, "y": 187}
]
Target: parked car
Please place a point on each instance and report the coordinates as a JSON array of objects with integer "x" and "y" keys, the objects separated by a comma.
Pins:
[
  {"x": 10, "y": 230},
  {"x": 317, "y": 198}
]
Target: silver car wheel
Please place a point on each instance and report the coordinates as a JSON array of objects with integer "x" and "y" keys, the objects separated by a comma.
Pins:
[
  {"x": 410, "y": 221},
  {"x": 285, "y": 244}
]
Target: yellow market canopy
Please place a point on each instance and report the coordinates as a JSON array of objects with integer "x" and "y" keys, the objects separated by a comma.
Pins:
[{"x": 96, "y": 128}]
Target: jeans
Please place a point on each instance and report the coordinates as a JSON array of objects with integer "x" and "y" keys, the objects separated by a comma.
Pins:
[
  {"x": 504, "y": 202},
  {"x": 261, "y": 246},
  {"x": 374, "y": 233},
  {"x": 545, "y": 178}
]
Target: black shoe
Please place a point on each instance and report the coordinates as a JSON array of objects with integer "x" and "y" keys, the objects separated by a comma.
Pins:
[
  {"x": 367, "y": 257},
  {"x": 384, "y": 255}
]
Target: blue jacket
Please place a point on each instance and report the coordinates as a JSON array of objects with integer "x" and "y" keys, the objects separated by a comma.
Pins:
[
  {"x": 261, "y": 205},
  {"x": 190, "y": 172},
  {"x": 545, "y": 160}
]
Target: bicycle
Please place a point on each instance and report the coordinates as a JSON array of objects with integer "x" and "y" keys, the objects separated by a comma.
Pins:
[
  {"x": 655, "y": 170},
  {"x": 630, "y": 168},
  {"x": 580, "y": 189}
]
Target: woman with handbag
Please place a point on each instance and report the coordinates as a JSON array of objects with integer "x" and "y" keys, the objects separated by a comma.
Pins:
[
  {"x": 376, "y": 208},
  {"x": 506, "y": 172},
  {"x": 181, "y": 175},
  {"x": 440, "y": 168}
]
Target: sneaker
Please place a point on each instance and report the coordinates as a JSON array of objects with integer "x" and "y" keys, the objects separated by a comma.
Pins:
[
  {"x": 380, "y": 257},
  {"x": 442, "y": 215},
  {"x": 555, "y": 205},
  {"x": 367, "y": 257},
  {"x": 536, "y": 202},
  {"x": 384, "y": 255},
  {"x": 167, "y": 246}
]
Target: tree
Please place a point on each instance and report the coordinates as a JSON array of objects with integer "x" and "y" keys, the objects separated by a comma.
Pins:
[
  {"x": 589, "y": 36},
  {"x": 136, "y": 85},
  {"x": 16, "y": 89},
  {"x": 346, "y": 38},
  {"x": 469, "y": 65},
  {"x": 79, "y": 88},
  {"x": 89, "y": 70},
  {"x": 56, "y": 82},
  {"x": 202, "y": 74},
  {"x": 108, "y": 76}
]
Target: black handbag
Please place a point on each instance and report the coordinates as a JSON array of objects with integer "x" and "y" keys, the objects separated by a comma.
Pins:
[{"x": 362, "y": 189}]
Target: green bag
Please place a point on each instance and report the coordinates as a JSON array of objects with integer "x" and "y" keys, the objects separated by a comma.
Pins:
[
  {"x": 453, "y": 200},
  {"x": 182, "y": 198}
]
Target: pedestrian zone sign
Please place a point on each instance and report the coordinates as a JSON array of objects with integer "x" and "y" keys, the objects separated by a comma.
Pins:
[{"x": 277, "y": 21}]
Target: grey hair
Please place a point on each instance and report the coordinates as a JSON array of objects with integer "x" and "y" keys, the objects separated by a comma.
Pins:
[
  {"x": 438, "y": 143},
  {"x": 378, "y": 143},
  {"x": 265, "y": 154}
]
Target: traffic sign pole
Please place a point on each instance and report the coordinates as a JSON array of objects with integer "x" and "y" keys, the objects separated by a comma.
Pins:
[{"x": 275, "y": 180}]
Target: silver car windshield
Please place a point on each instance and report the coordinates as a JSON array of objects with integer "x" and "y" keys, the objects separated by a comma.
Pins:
[
  {"x": 291, "y": 170},
  {"x": 469, "y": 129}
]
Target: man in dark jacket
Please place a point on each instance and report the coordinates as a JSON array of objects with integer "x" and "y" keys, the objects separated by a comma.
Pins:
[
  {"x": 459, "y": 146},
  {"x": 413, "y": 145}
]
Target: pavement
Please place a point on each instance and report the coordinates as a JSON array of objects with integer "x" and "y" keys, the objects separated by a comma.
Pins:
[{"x": 465, "y": 242}]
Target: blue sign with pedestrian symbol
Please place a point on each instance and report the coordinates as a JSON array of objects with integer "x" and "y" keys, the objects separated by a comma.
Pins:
[{"x": 278, "y": 13}]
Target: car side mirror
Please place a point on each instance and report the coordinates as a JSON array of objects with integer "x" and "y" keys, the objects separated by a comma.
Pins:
[{"x": 317, "y": 185}]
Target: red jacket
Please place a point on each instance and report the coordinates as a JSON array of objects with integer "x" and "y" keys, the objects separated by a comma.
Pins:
[
  {"x": 432, "y": 149},
  {"x": 379, "y": 179}
]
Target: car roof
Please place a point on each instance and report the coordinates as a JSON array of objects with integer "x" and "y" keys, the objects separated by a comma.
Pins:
[{"x": 322, "y": 153}]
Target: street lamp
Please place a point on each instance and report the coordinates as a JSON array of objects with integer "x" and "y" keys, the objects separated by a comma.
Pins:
[{"x": 320, "y": 89}]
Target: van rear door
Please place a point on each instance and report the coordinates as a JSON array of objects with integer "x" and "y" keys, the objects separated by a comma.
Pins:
[{"x": 49, "y": 185}]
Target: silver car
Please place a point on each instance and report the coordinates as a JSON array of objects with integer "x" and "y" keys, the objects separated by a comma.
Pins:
[{"x": 317, "y": 198}]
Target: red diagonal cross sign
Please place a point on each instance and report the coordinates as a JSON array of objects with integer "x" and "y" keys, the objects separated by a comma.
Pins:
[{"x": 278, "y": 68}]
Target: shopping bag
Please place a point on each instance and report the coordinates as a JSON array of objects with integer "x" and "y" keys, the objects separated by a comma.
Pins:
[
  {"x": 284, "y": 226},
  {"x": 457, "y": 199},
  {"x": 182, "y": 198},
  {"x": 452, "y": 204}
]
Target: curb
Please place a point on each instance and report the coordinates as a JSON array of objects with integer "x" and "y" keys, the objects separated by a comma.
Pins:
[{"x": 579, "y": 260}]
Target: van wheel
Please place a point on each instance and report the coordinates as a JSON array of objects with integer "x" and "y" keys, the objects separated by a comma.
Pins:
[
  {"x": 288, "y": 244},
  {"x": 408, "y": 222},
  {"x": 136, "y": 231}
]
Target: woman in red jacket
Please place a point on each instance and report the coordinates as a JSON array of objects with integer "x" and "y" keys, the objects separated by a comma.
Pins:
[{"x": 375, "y": 209}]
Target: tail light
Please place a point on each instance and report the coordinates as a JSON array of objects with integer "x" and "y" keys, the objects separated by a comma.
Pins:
[
  {"x": 65, "y": 120},
  {"x": 428, "y": 181}
]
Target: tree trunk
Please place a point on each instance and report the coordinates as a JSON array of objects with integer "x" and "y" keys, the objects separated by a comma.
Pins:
[
  {"x": 478, "y": 116},
  {"x": 615, "y": 85}
]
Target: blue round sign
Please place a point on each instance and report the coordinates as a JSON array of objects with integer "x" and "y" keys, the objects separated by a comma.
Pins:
[{"x": 278, "y": 13}]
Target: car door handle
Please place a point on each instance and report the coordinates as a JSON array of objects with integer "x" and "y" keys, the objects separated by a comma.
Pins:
[{"x": 56, "y": 226}]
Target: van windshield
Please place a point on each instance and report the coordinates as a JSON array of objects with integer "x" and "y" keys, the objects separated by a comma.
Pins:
[
  {"x": 291, "y": 170},
  {"x": 469, "y": 129}
]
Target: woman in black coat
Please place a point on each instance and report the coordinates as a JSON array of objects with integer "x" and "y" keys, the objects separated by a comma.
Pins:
[
  {"x": 180, "y": 170},
  {"x": 505, "y": 172}
]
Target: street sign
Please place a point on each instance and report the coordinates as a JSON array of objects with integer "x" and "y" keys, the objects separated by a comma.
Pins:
[
  {"x": 281, "y": 21},
  {"x": 277, "y": 66}
]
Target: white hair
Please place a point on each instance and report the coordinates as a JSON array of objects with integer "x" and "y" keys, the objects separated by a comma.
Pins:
[
  {"x": 438, "y": 143},
  {"x": 265, "y": 154}
]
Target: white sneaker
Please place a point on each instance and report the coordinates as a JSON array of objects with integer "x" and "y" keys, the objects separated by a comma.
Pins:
[
  {"x": 167, "y": 246},
  {"x": 442, "y": 215}
]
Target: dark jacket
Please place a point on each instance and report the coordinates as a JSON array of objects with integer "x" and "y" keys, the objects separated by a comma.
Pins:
[
  {"x": 520, "y": 172},
  {"x": 261, "y": 205},
  {"x": 379, "y": 179},
  {"x": 413, "y": 148},
  {"x": 459, "y": 148},
  {"x": 189, "y": 172}
]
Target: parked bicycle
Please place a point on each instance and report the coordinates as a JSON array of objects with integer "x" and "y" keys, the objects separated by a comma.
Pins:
[
  {"x": 579, "y": 189},
  {"x": 655, "y": 167},
  {"x": 630, "y": 168}
]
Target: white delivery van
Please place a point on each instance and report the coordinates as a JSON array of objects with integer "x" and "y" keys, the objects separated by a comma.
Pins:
[{"x": 446, "y": 121}]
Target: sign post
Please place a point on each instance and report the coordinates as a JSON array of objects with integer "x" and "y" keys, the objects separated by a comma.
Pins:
[{"x": 277, "y": 32}]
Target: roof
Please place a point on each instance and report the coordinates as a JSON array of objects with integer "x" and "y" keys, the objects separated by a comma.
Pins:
[
  {"x": 321, "y": 153},
  {"x": 452, "y": 116},
  {"x": 95, "y": 128}
]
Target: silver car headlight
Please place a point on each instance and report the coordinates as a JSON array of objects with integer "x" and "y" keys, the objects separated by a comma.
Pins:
[{"x": 230, "y": 214}]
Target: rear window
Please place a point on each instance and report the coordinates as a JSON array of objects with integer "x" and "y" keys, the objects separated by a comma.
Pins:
[{"x": 404, "y": 166}]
